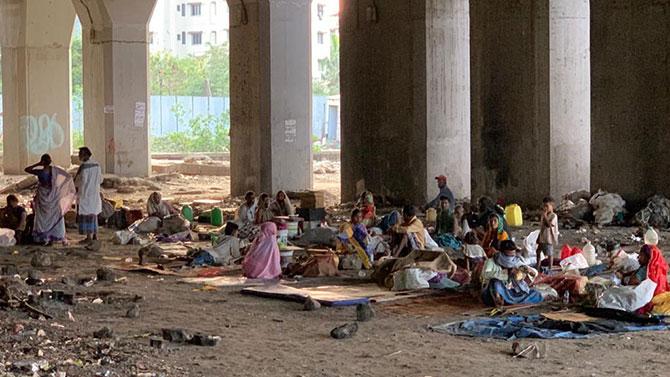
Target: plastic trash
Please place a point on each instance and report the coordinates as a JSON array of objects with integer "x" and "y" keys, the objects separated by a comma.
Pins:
[
  {"x": 574, "y": 262},
  {"x": 513, "y": 215},
  {"x": 589, "y": 252},
  {"x": 628, "y": 298},
  {"x": 651, "y": 237},
  {"x": 7, "y": 237},
  {"x": 412, "y": 278},
  {"x": 530, "y": 244}
]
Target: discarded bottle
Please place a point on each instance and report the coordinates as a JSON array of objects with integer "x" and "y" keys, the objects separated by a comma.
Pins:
[
  {"x": 566, "y": 297},
  {"x": 651, "y": 237},
  {"x": 217, "y": 216},
  {"x": 187, "y": 212},
  {"x": 590, "y": 254}
]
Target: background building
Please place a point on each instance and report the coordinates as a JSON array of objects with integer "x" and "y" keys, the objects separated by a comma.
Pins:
[
  {"x": 188, "y": 27},
  {"x": 325, "y": 24}
]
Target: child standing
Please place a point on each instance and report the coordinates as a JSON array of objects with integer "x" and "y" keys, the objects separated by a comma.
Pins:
[{"x": 548, "y": 232}]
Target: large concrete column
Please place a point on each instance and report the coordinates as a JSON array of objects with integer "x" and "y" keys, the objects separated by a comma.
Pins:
[
  {"x": 531, "y": 98},
  {"x": 270, "y": 92},
  {"x": 35, "y": 38},
  {"x": 116, "y": 95},
  {"x": 405, "y": 83},
  {"x": 630, "y": 97}
]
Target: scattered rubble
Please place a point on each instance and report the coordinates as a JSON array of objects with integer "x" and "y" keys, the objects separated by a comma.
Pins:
[
  {"x": 344, "y": 331},
  {"x": 364, "y": 312},
  {"x": 311, "y": 304}
]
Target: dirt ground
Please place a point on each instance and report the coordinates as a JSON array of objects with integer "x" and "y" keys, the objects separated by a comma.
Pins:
[{"x": 265, "y": 337}]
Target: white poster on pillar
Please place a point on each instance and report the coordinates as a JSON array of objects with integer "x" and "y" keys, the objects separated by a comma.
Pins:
[{"x": 140, "y": 114}]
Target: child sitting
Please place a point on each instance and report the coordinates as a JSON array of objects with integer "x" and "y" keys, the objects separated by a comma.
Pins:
[{"x": 474, "y": 253}]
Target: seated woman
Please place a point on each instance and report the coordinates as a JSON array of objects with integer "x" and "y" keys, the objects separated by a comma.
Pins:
[
  {"x": 653, "y": 267},
  {"x": 262, "y": 260},
  {"x": 15, "y": 217},
  {"x": 263, "y": 211},
  {"x": 461, "y": 226},
  {"x": 504, "y": 279},
  {"x": 281, "y": 206},
  {"x": 54, "y": 198},
  {"x": 366, "y": 204},
  {"x": 494, "y": 233},
  {"x": 225, "y": 252},
  {"x": 157, "y": 207},
  {"x": 408, "y": 235}
]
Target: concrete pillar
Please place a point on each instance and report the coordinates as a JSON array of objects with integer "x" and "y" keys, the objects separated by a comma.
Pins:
[
  {"x": 531, "y": 98},
  {"x": 35, "y": 38},
  {"x": 116, "y": 95},
  {"x": 630, "y": 97},
  {"x": 270, "y": 90},
  {"x": 405, "y": 91}
]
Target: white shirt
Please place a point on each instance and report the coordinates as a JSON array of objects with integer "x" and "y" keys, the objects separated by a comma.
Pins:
[
  {"x": 88, "y": 181},
  {"x": 246, "y": 213},
  {"x": 227, "y": 249}
]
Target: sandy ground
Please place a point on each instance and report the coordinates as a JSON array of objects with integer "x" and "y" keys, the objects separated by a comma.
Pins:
[{"x": 264, "y": 337}]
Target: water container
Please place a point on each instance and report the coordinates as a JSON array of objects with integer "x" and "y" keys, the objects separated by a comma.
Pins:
[
  {"x": 589, "y": 252},
  {"x": 431, "y": 215},
  {"x": 513, "y": 215},
  {"x": 187, "y": 212},
  {"x": 651, "y": 237},
  {"x": 292, "y": 229},
  {"x": 217, "y": 217}
]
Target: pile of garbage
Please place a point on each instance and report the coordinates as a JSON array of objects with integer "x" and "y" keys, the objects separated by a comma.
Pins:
[
  {"x": 656, "y": 213},
  {"x": 602, "y": 208}
]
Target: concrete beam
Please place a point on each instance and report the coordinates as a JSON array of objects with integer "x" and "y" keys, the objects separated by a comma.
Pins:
[
  {"x": 630, "y": 97},
  {"x": 405, "y": 83},
  {"x": 270, "y": 94},
  {"x": 530, "y": 98},
  {"x": 116, "y": 94},
  {"x": 35, "y": 39}
]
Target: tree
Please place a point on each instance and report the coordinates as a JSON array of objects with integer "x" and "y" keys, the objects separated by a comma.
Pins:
[
  {"x": 329, "y": 82},
  {"x": 190, "y": 75}
]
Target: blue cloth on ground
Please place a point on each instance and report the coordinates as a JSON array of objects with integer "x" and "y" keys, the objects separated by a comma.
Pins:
[
  {"x": 519, "y": 293},
  {"x": 389, "y": 220},
  {"x": 534, "y": 326}
]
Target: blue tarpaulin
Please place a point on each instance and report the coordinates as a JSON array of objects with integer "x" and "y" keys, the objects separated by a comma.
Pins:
[{"x": 535, "y": 326}]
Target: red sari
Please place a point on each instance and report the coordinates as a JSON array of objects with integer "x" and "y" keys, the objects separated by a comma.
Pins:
[{"x": 657, "y": 270}]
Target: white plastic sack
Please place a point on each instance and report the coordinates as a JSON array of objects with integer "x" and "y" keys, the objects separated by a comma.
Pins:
[
  {"x": 606, "y": 206},
  {"x": 412, "y": 278},
  {"x": 628, "y": 298},
  {"x": 123, "y": 237},
  {"x": 574, "y": 262},
  {"x": 7, "y": 237},
  {"x": 148, "y": 225},
  {"x": 530, "y": 244}
]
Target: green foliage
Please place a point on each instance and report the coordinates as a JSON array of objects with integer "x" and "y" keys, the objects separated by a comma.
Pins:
[
  {"x": 77, "y": 139},
  {"x": 316, "y": 144},
  {"x": 205, "y": 134},
  {"x": 329, "y": 82},
  {"x": 190, "y": 75}
]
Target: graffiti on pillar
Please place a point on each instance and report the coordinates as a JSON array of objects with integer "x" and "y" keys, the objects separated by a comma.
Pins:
[
  {"x": 290, "y": 131},
  {"x": 42, "y": 133}
]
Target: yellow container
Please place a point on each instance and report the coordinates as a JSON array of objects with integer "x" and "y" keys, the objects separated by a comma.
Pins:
[
  {"x": 431, "y": 215},
  {"x": 513, "y": 215}
]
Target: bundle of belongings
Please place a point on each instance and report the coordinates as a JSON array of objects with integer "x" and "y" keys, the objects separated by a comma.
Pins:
[{"x": 420, "y": 269}]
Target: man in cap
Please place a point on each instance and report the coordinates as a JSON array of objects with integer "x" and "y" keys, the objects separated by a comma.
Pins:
[{"x": 444, "y": 191}]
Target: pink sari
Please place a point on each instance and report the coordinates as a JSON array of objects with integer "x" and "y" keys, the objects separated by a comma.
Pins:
[{"x": 262, "y": 260}]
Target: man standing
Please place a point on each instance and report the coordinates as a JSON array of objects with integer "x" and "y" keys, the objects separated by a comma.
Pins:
[
  {"x": 88, "y": 181},
  {"x": 444, "y": 192}
]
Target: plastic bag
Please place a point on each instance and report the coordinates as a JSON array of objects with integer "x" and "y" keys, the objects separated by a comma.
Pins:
[
  {"x": 123, "y": 237},
  {"x": 412, "y": 278},
  {"x": 7, "y": 237},
  {"x": 574, "y": 262},
  {"x": 530, "y": 244},
  {"x": 628, "y": 298}
]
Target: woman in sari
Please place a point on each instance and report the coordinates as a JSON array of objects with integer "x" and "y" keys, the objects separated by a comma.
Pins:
[
  {"x": 281, "y": 206},
  {"x": 263, "y": 212},
  {"x": 263, "y": 261},
  {"x": 493, "y": 235},
  {"x": 157, "y": 207},
  {"x": 366, "y": 205},
  {"x": 504, "y": 279},
  {"x": 54, "y": 198}
]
